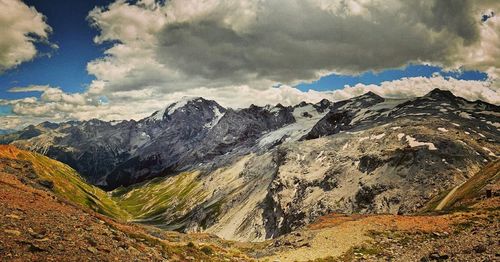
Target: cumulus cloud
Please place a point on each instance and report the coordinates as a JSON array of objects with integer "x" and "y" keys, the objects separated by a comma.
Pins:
[
  {"x": 485, "y": 55},
  {"x": 137, "y": 104},
  {"x": 10, "y": 122},
  {"x": 419, "y": 86},
  {"x": 53, "y": 103},
  {"x": 20, "y": 27},
  {"x": 30, "y": 88},
  {"x": 176, "y": 45},
  {"x": 235, "y": 52},
  {"x": 298, "y": 40},
  {"x": 53, "y": 94}
]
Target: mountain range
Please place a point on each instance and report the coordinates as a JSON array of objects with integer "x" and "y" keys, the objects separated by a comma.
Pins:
[
  {"x": 261, "y": 172},
  {"x": 49, "y": 213}
]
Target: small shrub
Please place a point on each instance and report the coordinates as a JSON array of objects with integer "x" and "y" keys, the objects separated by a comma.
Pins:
[
  {"x": 207, "y": 250},
  {"x": 367, "y": 250}
]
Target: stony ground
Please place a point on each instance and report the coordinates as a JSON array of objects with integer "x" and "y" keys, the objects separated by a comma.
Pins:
[
  {"x": 36, "y": 225},
  {"x": 474, "y": 239},
  {"x": 471, "y": 235}
]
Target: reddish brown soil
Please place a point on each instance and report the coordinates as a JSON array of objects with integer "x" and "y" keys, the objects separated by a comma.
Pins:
[
  {"x": 388, "y": 222},
  {"x": 37, "y": 225}
]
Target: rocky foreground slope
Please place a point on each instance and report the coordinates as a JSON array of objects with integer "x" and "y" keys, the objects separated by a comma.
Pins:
[
  {"x": 261, "y": 172},
  {"x": 40, "y": 221},
  {"x": 465, "y": 230}
]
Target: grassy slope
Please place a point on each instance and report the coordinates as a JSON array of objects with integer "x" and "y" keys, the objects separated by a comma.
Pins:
[
  {"x": 67, "y": 182},
  {"x": 29, "y": 212},
  {"x": 148, "y": 202},
  {"x": 177, "y": 198},
  {"x": 468, "y": 193}
]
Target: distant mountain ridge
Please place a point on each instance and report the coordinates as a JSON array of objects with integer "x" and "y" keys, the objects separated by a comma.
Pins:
[
  {"x": 189, "y": 130},
  {"x": 260, "y": 172},
  {"x": 7, "y": 131}
]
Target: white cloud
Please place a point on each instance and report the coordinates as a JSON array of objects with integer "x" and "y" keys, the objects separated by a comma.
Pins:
[
  {"x": 10, "y": 122},
  {"x": 30, "y": 88},
  {"x": 235, "y": 51},
  {"x": 485, "y": 56},
  {"x": 178, "y": 45},
  {"x": 137, "y": 104},
  {"x": 53, "y": 94},
  {"x": 419, "y": 86},
  {"x": 20, "y": 27}
]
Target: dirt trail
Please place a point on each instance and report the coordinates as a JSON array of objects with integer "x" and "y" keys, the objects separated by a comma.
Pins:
[
  {"x": 448, "y": 197},
  {"x": 332, "y": 242},
  {"x": 335, "y": 235}
]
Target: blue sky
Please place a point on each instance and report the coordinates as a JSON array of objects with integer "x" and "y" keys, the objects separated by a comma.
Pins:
[
  {"x": 335, "y": 81},
  {"x": 152, "y": 53},
  {"x": 66, "y": 66}
]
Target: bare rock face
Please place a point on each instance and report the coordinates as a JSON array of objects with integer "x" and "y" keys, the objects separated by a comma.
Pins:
[
  {"x": 331, "y": 124},
  {"x": 261, "y": 172},
  {"x": 185, "y": 134}
]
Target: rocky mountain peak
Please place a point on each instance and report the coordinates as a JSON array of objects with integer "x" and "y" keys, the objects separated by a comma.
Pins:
[
  {"x": 323, "y": 105},
  {"x": 48, "y": 125},
  {"x": 439, "y": 94},
  {"x": 95, "y": 122},
  {"x": 302, "y": 104},
  {"x": 363, "y": 101},
  {"x": 189, "y": 105},
  {"x": 324, "y": 101},
  {"x": 368, "y": 96},
  {"x": 279, "y": 105}
]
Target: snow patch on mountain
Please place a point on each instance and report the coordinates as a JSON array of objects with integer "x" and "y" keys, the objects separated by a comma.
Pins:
[
  {"x": 414, "y": 143},
  {"x": 465, "y": 115},
  {"x": 495, "y": 124},
  {"x": 490, "y": 153},
  {"x": 305, "y": 118},
  {"x": 181, "y": 103},
  {"x": 217, "y": 116}
]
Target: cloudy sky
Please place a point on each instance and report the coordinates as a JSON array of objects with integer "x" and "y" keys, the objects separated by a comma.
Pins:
[{"x": 82, "y": 59}]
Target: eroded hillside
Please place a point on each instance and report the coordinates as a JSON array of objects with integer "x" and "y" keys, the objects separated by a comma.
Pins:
[{"x": 42, "y": 219}]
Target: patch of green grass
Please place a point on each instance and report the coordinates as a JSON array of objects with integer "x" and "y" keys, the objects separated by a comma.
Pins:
[
  {"x": 367, "y": 250},
  {"x": 71, "y": 186},
  {"x": 149, "y": 201},
  {"x": 207, "y": 250},
  {"x": 464, "y": 225}
]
